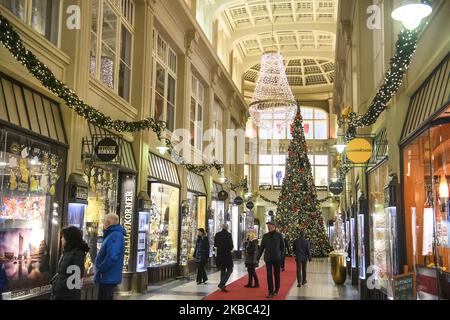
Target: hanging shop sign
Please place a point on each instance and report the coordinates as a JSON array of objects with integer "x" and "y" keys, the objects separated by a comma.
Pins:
[
  {"x": 128, "y": 202},
  {"x": 336, "y": 187},
  {"x": 250, "y": 205},
  {"x": 238, "y": 201},
  {"x": 222, "y": 195},
  {"x": 107, "y": 149},
  {"x": 359, "y": 150}
]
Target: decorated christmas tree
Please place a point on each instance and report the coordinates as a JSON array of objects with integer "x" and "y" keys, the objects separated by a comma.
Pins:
[{"x": 298, "y": 207}]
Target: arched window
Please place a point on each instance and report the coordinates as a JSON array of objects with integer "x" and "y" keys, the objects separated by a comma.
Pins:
[{"x": 315, "y": 125}]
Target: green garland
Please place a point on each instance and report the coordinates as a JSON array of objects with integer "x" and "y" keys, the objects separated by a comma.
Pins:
[
  {"x": 405, "y": 48},
  {"x": 10, "y": 39},
  {"x": 257, "y": 195}
]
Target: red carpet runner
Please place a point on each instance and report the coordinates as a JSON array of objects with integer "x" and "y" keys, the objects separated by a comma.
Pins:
[{"x": 238, "y": 292}]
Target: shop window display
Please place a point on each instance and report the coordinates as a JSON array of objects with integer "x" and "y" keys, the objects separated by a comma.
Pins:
[
  {"x": 31, "y": 179},
  {"x": 381, "y": 220},
  {"x": 216, "y": 222},
  {"x": 102, "y": 199},
  {"x": 426, "y": 162},
  {"x": 164, "y": 219}
]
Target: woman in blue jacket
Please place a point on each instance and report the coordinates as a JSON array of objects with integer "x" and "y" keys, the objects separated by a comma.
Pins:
[{"x": 109, "y": 261}]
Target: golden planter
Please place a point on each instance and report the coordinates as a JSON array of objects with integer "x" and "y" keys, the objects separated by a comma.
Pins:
[{"x": 338, "y": 267}]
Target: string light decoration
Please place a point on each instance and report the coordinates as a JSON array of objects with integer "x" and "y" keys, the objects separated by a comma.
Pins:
[
  {"x": 272, "y": 93},
  {"x": 107, "y": 72},
  {"x": 11, "y": 40},
  {"x": 406, "y": 46}
]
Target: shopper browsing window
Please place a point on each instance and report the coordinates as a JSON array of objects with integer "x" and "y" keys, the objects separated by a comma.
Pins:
[
  {"x": 201, "y": 254},
  {"x": 109, "y": 261},
  {"x": 66, "y": 284}
]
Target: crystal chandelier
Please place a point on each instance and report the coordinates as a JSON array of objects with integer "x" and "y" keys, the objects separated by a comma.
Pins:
[{"x": 272, "y": 93}]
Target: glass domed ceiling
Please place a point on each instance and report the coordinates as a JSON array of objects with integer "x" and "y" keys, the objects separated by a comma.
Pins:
[{"x": 302, "y": 72}]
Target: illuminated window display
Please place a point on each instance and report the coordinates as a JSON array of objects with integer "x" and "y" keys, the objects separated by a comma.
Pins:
[
  {"x": 426, "y": 172},
  {"x": 102, "y": 199},
  {"x": 197, "y": 214},
  {"x": 164, "y": 219},
  {"x": 31, "y": 180},
  {"x": 380, "y": 225}
]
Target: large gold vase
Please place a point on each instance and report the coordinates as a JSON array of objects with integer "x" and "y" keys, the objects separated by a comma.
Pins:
[{"x": 338, "y": 267}]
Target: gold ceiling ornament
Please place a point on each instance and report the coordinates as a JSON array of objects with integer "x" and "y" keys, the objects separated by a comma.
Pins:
[{"x": 272, "y": 93}]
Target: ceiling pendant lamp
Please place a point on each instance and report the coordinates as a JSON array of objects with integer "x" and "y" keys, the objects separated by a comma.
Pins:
[
  {"x": 272, "y": 93},
  {"x": 411, "y": 13}
]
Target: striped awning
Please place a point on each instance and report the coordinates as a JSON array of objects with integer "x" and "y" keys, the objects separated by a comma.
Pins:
[
  {"x": 431, "y": 97},
  {"x": 195, "y": 183},
  {"x": 26, "y": 108},
  {"x": 126, "y": 154},
  {"x": 162, "y": 169}
]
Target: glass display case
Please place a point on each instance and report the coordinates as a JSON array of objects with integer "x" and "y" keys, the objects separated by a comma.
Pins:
[
  {"x": 142, "y": 242},
  {"x": 353, "y": 240},
  {"x": 164, "y": 219},
  {"x": 361, "y": 247}
]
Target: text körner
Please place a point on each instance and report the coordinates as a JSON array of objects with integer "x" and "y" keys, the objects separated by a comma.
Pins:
[{"x": 128, "y": 215}]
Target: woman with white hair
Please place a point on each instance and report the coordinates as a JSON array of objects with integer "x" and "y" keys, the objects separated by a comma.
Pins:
[{"x": 251, "y": 261}]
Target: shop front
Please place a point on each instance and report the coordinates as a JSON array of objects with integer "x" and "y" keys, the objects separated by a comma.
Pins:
[
  {"x": 164, "y": 230},
  {"x": 193, "y": 218},
  {"x": 107, "y": 186},
  {"x": 33, "y": 151},
  {"x": 425, "y": 173},
  {"x": 216, "y": 215}
]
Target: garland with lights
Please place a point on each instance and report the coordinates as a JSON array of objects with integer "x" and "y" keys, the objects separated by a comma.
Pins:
[
  {"x": 405, "y": 48},
  {"x": 11, "y": 40}
]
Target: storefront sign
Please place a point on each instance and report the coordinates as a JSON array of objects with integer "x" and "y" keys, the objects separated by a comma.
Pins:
[
  {"x": 336, "y": 187},
  {"x": 404, "y": 286},
  {"x": 238, "y": 201},
  {"x": 222, "y": 195},
  {"x": 127, "y": 211},
  {"x": 106, "y": 149},
  {"x": 359, "y": 150},
  {"x": 78, "y": 193},
  {"x": 250, "y": 205}
]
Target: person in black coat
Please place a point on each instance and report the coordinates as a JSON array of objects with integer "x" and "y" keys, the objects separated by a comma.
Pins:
[
  {"x": 3, "y": 280},
  {"x": 66, "y": 284},
  {"x": 272, "y": 246},
  {"x": 285, "y": 253},
  {"x": 201, "y": 254},
  {"x": 302, "y": 256},
  {"x": 224, "y": 260},
  {"x": 251, "y": 262}
]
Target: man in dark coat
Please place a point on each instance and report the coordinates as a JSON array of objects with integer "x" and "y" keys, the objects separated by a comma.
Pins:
[
  {"x": 272, "y": 246},
  {"x": 3, "y": 280},
  {"x": 201, "y": 254},
  {"x": 224, "y": 260},
  {"x": 302, "y": 256}
]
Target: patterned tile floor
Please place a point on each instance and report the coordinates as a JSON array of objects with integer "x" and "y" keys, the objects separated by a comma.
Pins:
[{"x": 320, "y": 286}]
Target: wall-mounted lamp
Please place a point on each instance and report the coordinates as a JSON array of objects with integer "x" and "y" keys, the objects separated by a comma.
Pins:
[{"x": 443, "y": 192}]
